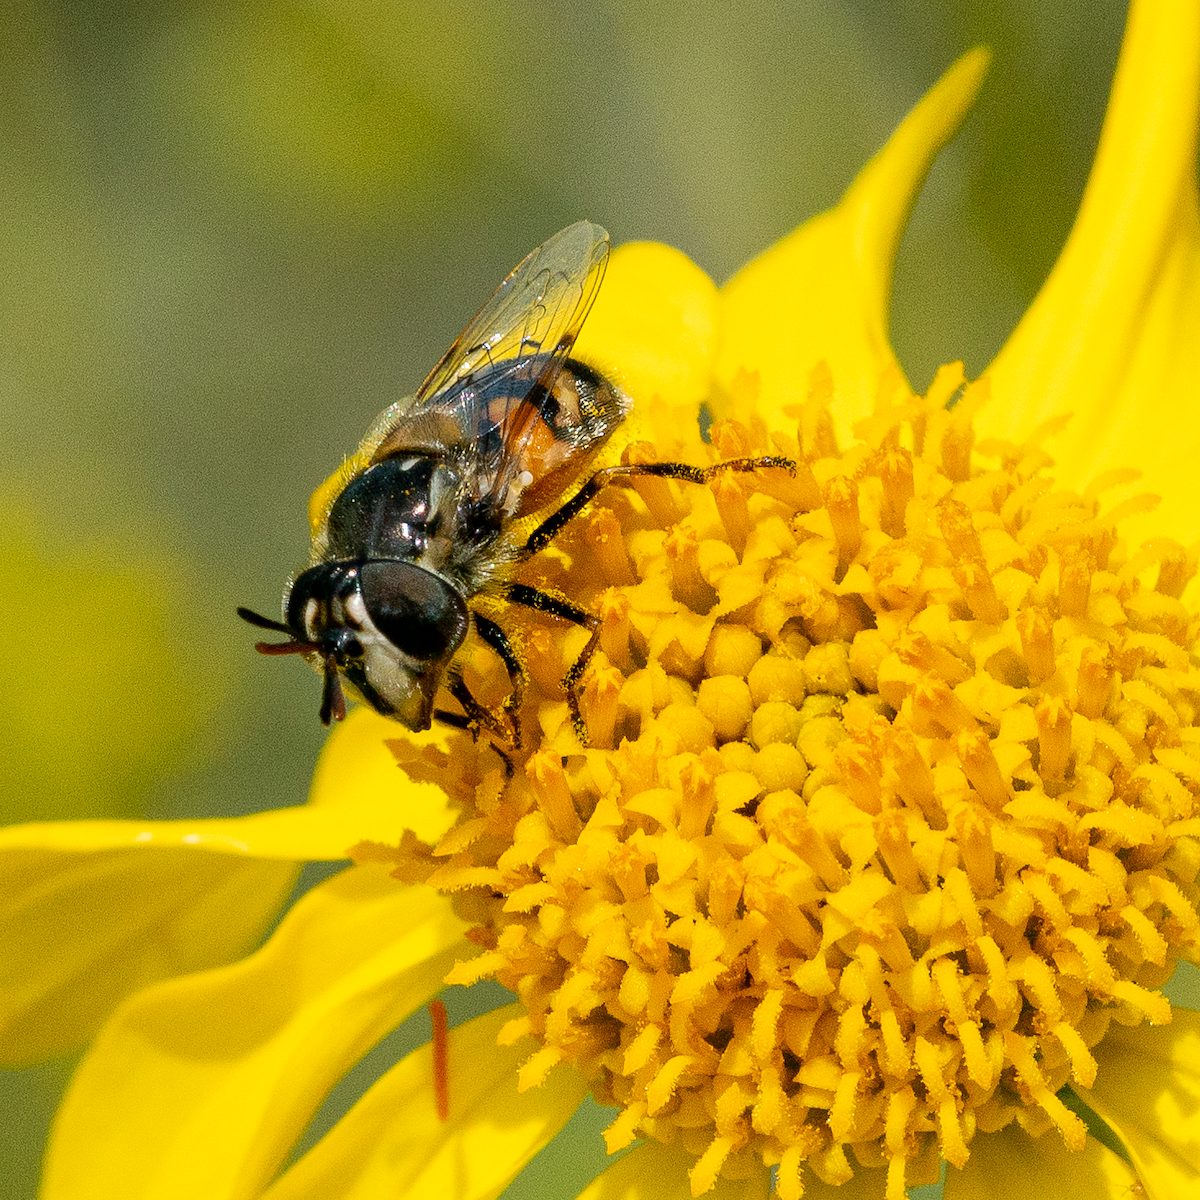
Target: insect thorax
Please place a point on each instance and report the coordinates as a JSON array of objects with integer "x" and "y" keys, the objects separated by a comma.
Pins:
[{"x": 416, "y": 506}]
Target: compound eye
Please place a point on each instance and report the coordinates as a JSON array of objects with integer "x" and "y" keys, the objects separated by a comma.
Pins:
[
  {"x": 309, "y": 598},
  {"x": 418, "y": 612}
]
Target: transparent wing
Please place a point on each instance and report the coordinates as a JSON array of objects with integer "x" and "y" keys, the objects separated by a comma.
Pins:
[
  {"x": 491, "y": 393},
  {"x": 537, "y": 310}
]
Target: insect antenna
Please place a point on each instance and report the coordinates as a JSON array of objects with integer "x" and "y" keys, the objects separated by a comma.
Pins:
[
  {"x": 333, "y": 700},
  {"x": 287, "y": 647},
  {"x": 262, "y": 622}
]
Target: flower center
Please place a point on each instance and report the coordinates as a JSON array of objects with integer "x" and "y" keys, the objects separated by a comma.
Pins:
[{"x": 890, "y": 806}]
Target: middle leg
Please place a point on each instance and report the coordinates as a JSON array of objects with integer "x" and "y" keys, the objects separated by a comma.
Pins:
[{"x": 559, "y": 606}]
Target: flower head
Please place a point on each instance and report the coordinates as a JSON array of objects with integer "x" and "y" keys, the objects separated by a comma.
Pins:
[
  {"x": 885, "y": 839},
  {"x": 888, "y": 811}
]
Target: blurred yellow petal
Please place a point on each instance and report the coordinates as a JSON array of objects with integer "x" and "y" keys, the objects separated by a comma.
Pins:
[
  {"x": 822, "y": 293},
  {"x": 653, "y": 330},
  {"x": 393, "y": 1144},
  {"x": 357, "y": 771},
  {"x": 1114, "y": 335},
  {"x": 199, "y": 1086},
  {"x": 87, "y": 916},
  {"x": 1148, "y": 1090},
  {"x": 1007, "y": 1164},
  {"x": 90, "y": 911},
  {"x": 655, "y": 1172}
]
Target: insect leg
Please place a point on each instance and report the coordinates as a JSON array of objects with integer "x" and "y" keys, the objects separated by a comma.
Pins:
[
  {"x": 557, "y": 606},
  {"x": 478, "y": 717},
  {"x": 497, "y": 639},
  {"x": 474, "y": 717},
  {"x": 549, "y": 528},
  {"x": 453, "y": 719}
]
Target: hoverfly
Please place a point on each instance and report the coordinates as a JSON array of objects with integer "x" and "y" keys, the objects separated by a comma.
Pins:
[{"x": 496, "y": 434}]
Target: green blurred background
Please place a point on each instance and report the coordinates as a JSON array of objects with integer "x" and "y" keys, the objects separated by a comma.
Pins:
[{"x": 232, "y": 232}]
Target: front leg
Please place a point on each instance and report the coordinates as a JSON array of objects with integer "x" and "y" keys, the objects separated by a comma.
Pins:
[
  {"x": 557, "y": 606},
  {"x": 471, "y": 725},
  {"x": 475, "y": 716},
  {"x": 497, "y": 639}
]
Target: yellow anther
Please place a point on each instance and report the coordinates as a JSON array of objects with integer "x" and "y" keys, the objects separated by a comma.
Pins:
[
  {"x": 958, "y": 441},
  {"x": 895, "y": 468},
  {"x": 895, "y": 846},
  {"x": 606, "y": 541},
  {"x": 979, "y": 764},
  {"x": 1035, "y": 628},
  {"x": 554, "y": 795},
  {"x": 841, "y": 502},
  {"x": 1094, "y": 683},
  {"x": 936, "y": 709}
]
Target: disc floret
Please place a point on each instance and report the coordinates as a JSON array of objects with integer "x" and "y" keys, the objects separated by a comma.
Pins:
[{"x": 890, "y": 807}]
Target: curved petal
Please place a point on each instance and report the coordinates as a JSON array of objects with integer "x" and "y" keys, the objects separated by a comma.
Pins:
[
  {"x": 1010, "y": 1163},
  {"x": 822, "y": 293},
  {"x": 1113, "y": 337},
  {"x": 90, "y": 911},
  {"x": 655, "y": 1172},
  {"x": 199, "y": 1086},
  {"x": 391, "y": 1143},
  {"x": 357, "y": 773},
  {"x": 1148, "y": 1090},
  {"x": 653, "y": 331},
  {"x": 83, "y": 924}
]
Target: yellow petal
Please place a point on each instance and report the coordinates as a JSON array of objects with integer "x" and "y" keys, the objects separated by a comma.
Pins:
[
  {"x": 199, "y": 1086},
  {"x": 90, "y": 911},
  {"x": 653, "y": 331},
  {"x": 392, "y": 1143},
  {"x": 357, "y": 773},
  {"x": 656, "y": 1172},
  {"x": 822, "y": 293},
  {"x": 1009, "y": 1163},
  {"x": 1113, "y": 337},
  {"x": 88, "y": 915},
  {"x": 93, "y": 910},
  {"x": 1148, "y": 1090}
]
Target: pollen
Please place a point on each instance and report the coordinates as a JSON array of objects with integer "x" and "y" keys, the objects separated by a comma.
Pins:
[{"x": 889, "y": 807}]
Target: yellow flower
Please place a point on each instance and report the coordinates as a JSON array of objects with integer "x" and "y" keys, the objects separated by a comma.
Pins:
[{"x": 888, "y": 835}]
